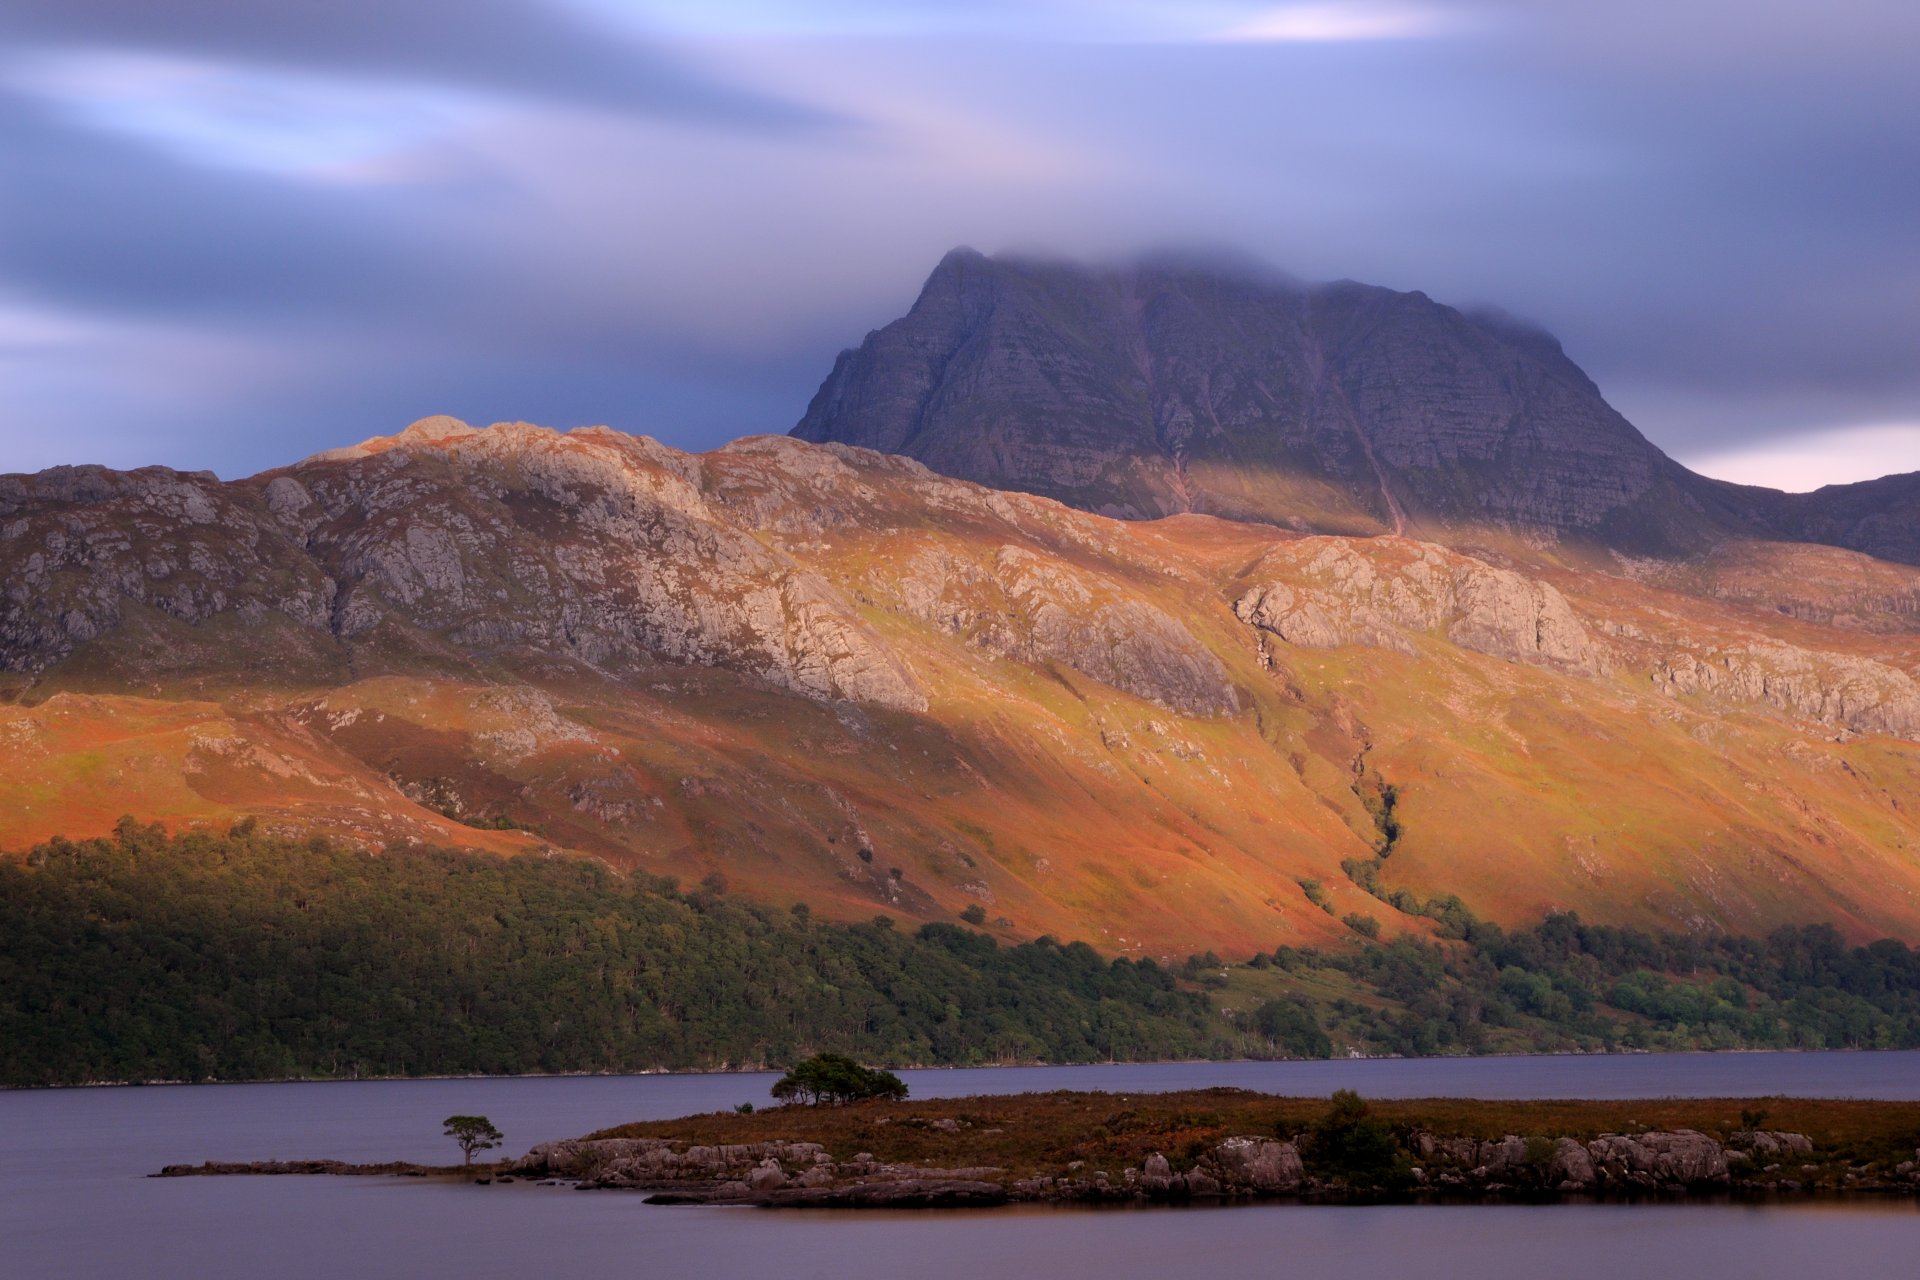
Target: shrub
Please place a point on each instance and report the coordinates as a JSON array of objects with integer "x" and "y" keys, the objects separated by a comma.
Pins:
[
  {"x": 1289, "y": 1026},
  {"x": 1352, "y": 1145},
  {"x": 974, "y": 914}
]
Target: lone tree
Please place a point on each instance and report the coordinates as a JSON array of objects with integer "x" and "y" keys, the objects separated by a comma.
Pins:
[
  {"x": 834, "y": 1078},
  {"x": 473, "y": 1133}
]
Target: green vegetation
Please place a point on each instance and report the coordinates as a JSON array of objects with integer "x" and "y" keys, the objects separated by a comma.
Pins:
[
  {"x": 834, "y": 1079},
  {"x": 471, "y": 1134},
  {"x": 246, "y": 957},
  {"x": 1351, "y": 1145},
  {"x": 1565, "y": 985}
]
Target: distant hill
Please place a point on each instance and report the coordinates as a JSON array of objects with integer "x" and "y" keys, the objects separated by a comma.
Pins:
[
  {"x": 825, "y": 674},
  {"x": 1178, "y": 385}
]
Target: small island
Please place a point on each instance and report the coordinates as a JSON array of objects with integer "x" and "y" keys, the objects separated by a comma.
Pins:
[{"x": 1218, "y": 1145}]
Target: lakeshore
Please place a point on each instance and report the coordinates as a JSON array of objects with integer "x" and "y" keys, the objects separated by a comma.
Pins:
[{"x": 1214, "y": 1145}]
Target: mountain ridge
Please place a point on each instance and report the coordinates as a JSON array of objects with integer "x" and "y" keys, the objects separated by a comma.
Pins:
[
  {"x": 831, "y": 675},
  {"x": 1179, "y": 384}
]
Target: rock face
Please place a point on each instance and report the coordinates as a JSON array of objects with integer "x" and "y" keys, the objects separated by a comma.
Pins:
[
  {"x": 1331, "y": 596},
  {"x": 597, "y": 546},
  {"x": 1178, "y": 385},
  {"x": 1040, "y": 609},
  {"x": 822, "y": 671},
  {"x": 1245, "y": 1167},
  {"x": 1258, "y": 1165},
  {"x": 1837, "y": 689},
  {"x": 1655, "y": 1160},
  {"x": 1880, "y": 517},
  {"x": 1683, "y": 1157}
]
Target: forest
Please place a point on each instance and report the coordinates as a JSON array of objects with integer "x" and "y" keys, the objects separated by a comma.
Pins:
[
  {"x": 244, "y": 956},
  {"x": 241, "y": 956},
  {"x": 1566, "y": 986}
]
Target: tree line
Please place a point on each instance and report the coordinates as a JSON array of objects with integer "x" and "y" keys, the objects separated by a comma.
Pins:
[{"x": 243, "y": 956}]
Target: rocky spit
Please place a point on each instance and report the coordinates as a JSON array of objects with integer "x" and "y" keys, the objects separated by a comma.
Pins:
[{"x": 1652, "y": 1164}]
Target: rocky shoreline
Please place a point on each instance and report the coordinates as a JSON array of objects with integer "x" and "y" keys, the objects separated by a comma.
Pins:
[
  {"x": 1212, "y": 1146},
  {"x": 804, "y": 1174}
]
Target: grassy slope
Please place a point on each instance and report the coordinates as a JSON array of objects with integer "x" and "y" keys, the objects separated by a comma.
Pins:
[{"x": 1057, "y": 803}]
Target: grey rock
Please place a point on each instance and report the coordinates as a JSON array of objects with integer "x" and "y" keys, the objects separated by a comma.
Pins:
[
  {"x": 1173, "y": 386},
  {"x": 1571, "y": 1168},
  {"x": 1259, "y": 1165},
  {"x": 1335, "y": 592},
  {"x": 1683, "y": 1157},
  {"x": 767, "y": 1176}
]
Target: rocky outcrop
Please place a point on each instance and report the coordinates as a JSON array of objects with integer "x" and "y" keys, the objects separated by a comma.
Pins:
[
  {"x": 1852, "y": 693},
  {"x": 82, "y": 547},
  {"x": 650, "y": 1162},
  {"x": 1041, "y": 609},
  {"x": 1683, "y": 1158},
  {"x": 1769, "y": 1144},
  {"x": 1334, "y": 592},
  {"x": 1253, "y": 1166},
  {"x": 593, "y": 546},
  {"x": 1654, "y": 1160}
]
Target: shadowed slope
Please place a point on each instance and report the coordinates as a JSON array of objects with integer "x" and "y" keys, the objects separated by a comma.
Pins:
[{"x": 1178, "y": 385}]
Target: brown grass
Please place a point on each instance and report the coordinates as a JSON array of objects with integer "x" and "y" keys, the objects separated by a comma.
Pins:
[{"x": 1043, "y": 1132}]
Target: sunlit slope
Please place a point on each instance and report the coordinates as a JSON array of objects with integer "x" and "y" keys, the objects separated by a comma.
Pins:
[{"x": 828, "y": 676}]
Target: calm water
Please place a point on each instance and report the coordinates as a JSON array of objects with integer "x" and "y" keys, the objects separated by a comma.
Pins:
[{"x": 74, "y": 1201}]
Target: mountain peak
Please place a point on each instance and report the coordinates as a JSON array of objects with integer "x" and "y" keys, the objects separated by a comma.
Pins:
[
  {"x": 1203, "y": 381},
  {"x": 434, "y": 429}
]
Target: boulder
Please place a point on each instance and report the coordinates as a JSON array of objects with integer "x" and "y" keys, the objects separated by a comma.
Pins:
[
  {"x": 1259, "y": 1165},
  {"x": 767, "y": 1176},
  {"x": 1571, "y": 1168},
  {"x": 1771, "y": 1142},
  {"x": 1683, "y": 1157},
  {"x": 1198, "y": 1182}
]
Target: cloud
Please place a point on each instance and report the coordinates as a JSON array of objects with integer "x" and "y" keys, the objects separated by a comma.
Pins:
[
  {"x": 332, "y": 218},
  {"x": 514, "y": 48},
  {"x": 1353, "y": 20}
]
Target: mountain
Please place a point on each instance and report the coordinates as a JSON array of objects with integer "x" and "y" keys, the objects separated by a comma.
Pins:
[
  {"x": 826, "y": 674},
  {"x": 1184, "y": 385}
]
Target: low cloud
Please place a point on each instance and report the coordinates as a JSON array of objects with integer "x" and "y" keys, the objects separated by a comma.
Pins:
[{"x": 232, "y": 233}]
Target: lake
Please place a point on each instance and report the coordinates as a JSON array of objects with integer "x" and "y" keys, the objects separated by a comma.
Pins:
[{"x": 74, "y": 1201}]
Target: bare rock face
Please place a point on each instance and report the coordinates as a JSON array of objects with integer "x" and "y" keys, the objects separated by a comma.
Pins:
[
  {"x": 1771, "y": 1143},
  {"x": 1258, "y": 1165},
  {"x": 80, "y": 546},
  {"x": 1571, "y": 1168},
  {"x": 1334, "y": 593},
  {"x": 1612, "y": 1162},
  {"x": 595, "y": 546},
  {"x": 1852, "y": 693},
  {"x": 1182, "y": 385},
  {"x": 1037, "y": 608},
  {"x": 757, "y": 1166},
  {"x": 1683, "y": 1157}
]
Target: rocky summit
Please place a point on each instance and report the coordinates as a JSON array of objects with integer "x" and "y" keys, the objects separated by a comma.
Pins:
[
  {"x": 1188, "y": 385},
  {"x": 826, "y": 674}
]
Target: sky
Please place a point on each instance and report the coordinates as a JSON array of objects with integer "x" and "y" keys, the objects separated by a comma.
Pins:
[{"x": 234, "y": 233}]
